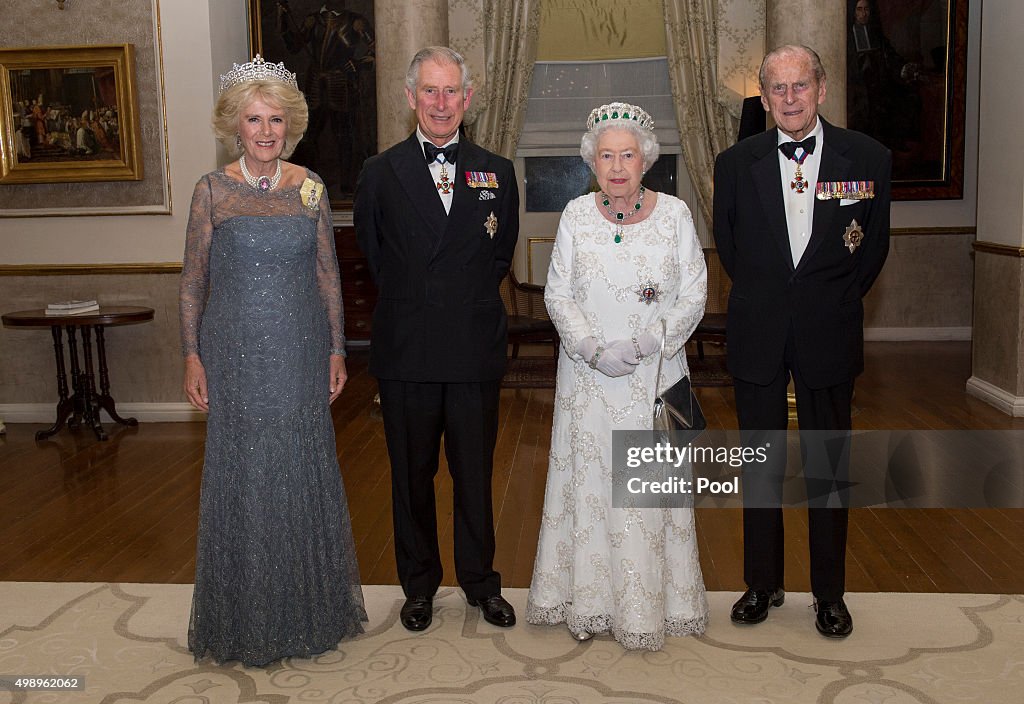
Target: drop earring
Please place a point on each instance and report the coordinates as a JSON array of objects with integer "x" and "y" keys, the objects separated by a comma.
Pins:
[{"x": 238, "y": 141}]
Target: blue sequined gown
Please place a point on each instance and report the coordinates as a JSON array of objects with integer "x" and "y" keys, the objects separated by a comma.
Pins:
[{"x": 276, "y": 573}]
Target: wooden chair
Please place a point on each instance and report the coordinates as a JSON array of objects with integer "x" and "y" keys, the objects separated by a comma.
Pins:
[
  {"x": 712, "y": 370},
  {"x": 528, "y": 319},
  {"x": 711, "y": 328}
]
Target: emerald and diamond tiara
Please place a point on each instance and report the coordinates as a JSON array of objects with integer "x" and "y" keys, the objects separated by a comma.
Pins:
[{"x": 620, "y": 111}]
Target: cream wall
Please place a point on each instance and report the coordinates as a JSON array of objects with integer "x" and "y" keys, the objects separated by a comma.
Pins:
[
  {"x": 1003, "y": 104},
  {"x": 997, "y": 369}
]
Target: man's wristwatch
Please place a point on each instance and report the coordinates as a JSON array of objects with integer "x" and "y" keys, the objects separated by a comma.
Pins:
[{"x": 592, "y": 362}]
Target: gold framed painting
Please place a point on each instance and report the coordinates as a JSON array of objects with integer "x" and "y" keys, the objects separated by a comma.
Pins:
[{"x": 69, "y": 114}]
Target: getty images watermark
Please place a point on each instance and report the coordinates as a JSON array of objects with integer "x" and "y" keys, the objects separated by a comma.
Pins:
[
  {"x": 770, "y": 469},
  {"x": 663, "y": 468}
]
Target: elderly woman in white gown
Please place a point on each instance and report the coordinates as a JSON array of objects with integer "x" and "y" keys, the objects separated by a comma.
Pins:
[{"x": 625, "y": 259}]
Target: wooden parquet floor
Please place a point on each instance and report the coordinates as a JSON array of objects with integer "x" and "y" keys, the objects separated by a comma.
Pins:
[{"x": 74, "y": 509}]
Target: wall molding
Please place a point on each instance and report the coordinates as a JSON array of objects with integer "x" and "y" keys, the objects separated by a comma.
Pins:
[
  {"x": 88, "y": 269},
  {"x": 177, "y": 412},
  {"x": 899, "y": 231},
  {"x": 916, "y": 334},
  {"x": 1000, "y": 249},
  {"x": 994, "y": 396}
]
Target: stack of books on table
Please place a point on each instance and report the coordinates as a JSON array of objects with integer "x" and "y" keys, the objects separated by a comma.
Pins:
[{"x": 72, "y": 307}]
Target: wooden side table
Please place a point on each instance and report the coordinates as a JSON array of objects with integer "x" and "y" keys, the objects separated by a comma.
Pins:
[{"x": 84, "y": 403}]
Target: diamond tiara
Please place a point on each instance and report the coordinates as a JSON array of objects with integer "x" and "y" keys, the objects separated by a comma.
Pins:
[
  {"x": 257, "y": 70},
  {"x": 620, "y": 111}
]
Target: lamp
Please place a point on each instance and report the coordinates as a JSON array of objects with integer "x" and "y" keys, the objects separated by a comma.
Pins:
[{"x": 752, "y": 118}]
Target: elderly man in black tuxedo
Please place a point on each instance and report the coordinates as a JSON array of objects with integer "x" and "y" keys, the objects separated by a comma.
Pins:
[
  {"x": 801, "y": 222},
  {"x": 437, "y": 218}
]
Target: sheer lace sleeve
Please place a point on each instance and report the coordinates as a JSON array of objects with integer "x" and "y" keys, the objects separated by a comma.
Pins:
[
  {"x": 327, "y": 276},
  {"x": 195, "y": 269}
]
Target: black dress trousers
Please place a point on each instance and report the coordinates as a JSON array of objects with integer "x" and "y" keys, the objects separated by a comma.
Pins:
[
  {"x": 763, "y": 417},
  {"x": 416, "y": 417}
]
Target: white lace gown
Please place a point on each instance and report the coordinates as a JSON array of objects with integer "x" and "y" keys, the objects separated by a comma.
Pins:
[{"x": 631, "y": 572}]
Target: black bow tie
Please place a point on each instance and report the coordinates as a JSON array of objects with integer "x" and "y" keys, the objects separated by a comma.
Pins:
[
  {"x": 789, "y": 148},
  {"x": 450, "y": 152}
]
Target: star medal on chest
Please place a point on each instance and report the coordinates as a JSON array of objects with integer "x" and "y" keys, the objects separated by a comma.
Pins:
[
  {"x": 854, "y": 236},
  {"x": 491, "y": 225},
  {"x": 649, "y": 292},
  {"x": 620, "y": 217},
  {"x": 444, "y": 183}
]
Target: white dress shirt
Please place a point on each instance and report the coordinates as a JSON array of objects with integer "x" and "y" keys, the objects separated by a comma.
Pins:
[
  {"x": 435, "y": 169},
  {"x": 800, "y": 206}
]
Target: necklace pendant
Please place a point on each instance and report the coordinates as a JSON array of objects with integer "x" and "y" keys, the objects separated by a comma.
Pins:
[
  {"x": 263, "y": 184},
  {"x": 620, "y": 218}
]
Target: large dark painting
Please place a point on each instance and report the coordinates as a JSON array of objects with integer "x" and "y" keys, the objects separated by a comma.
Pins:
[
  {"x": 906, "y": 70},
  {"x": 330, "y": 45}
]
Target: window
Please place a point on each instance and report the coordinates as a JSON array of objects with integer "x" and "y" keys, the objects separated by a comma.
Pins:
[{"x": 562, "y": 94}]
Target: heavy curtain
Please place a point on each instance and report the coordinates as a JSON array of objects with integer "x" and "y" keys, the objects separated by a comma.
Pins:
[
  {"x": 510, "y": 49},
  {"x": 705, "y": 125}
]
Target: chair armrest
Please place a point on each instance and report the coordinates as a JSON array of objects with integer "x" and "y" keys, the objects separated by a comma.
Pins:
[{"x": 535, "y": 289}]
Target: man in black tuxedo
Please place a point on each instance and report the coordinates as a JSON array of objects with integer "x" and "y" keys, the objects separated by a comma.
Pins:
[
  {"x": 803, "y": 231},
  {"x": 437, "y": 218}
]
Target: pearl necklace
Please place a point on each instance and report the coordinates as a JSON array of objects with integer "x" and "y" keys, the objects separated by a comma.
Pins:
[
  {"x": 262, "y": 183},
  {"x": 620, "y": 217}
]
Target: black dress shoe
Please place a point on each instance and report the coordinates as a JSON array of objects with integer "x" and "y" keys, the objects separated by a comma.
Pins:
[
  {"x": 495, "y": 610},
  {"x": 833, "y": 619},
  {"x": 417, "y": 612},
  {"x": 753, "y": 606}
]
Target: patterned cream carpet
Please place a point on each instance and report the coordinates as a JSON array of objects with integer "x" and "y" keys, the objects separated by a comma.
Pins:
[{"x": 128, "y": 642}]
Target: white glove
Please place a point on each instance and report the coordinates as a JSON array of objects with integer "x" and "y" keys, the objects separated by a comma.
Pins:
[
  {"x": 618, "y": 359},
  {"x": 648, "y": 343},
  {"x": 587, "y": 347}
]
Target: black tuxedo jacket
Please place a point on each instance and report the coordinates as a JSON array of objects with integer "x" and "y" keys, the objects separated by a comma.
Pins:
[
  {"x": 439, "y": 315},
  {"x": 819, "y": 300}
]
